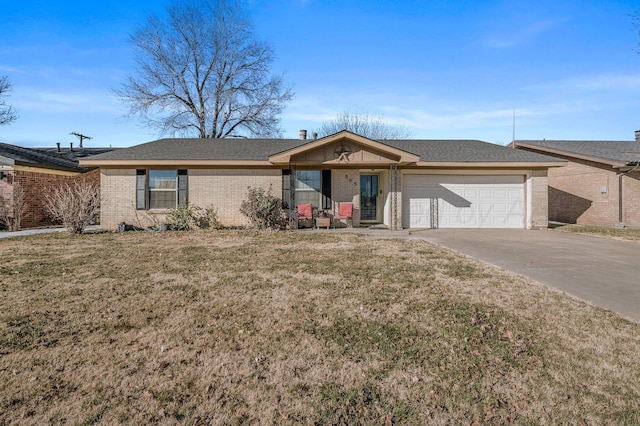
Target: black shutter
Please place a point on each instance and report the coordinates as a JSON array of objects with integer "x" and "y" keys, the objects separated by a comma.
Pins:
[
  {"x": 141, "y": 189},
  {"x": 286, "y": 188},
  {"x": 183, "y": 187},
  {"x": 326, "y": 189}
]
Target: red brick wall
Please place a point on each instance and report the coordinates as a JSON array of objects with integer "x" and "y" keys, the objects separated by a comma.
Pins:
[{"x": 35, "y": 185}]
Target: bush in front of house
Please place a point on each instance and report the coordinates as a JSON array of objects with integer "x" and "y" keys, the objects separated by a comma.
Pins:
[
  {"x": 186, "y": 217},
  {"x": 13, "y": 209},
  {"x": 75, "y": 206},
  {"x": 263, "y": 210}
]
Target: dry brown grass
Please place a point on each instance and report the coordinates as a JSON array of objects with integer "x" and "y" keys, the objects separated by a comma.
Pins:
[
  {"x": 289, "y": 328},
  {"x": 629, "y": 234}
]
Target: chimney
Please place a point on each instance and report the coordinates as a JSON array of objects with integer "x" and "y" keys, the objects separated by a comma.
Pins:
[
  {"x": 303, "y": 134},
  {"x": 637, "y": 135},
  {"x": 315, "y": 135},
  {"x": 71, "y": 146},
  {"x": 58, "y": 143}
]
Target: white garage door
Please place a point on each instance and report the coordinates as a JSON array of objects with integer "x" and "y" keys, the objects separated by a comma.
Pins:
[{"x": 443, "y": 201}]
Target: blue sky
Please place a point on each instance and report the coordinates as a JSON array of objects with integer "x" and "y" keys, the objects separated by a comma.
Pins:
[{"x": 445, "y": 69}]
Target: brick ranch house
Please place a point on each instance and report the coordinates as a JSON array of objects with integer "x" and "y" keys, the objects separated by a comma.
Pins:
[
  {"x": 37, "y": 170},
  {"x": 398, "y": 183},
  {"x": 599, "y": 186}
]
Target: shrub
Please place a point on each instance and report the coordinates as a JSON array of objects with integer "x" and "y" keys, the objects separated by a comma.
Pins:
[
  {"x": 263, "y": 210},
  {"x": 75, "y": 206},
  {"x": 181, "y": 218},
  {"x": 13, "y": 209},
  {"x": 186, "y": 217},
  {"x": 207, "y": 218}
]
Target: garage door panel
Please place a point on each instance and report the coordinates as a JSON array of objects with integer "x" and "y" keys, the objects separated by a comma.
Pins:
[
  {"x": 420, "y": 212},
  {"x": 464, "y": 201}
]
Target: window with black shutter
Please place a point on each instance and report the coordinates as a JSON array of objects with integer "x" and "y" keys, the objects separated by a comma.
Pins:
[{"x": 161, "y": 189}]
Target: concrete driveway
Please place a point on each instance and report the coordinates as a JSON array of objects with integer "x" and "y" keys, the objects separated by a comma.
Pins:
[{"x": 602, "y": 271}]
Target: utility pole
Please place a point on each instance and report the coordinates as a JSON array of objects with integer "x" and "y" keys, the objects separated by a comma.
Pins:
[{"x": 81, "y": 137}]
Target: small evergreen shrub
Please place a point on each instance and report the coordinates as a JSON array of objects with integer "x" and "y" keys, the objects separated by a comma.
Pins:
[{"x": 263, "y": 210}]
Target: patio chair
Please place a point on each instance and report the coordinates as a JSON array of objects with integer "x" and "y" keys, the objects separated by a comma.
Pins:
[
  {"x": 305, "y": 214},
  {"x": 345, "y": 212}
]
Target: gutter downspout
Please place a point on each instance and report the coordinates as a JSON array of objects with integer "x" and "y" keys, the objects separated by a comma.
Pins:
[
  {"x": 620, "y": 193},
  {"x": 620, "y": 224}
]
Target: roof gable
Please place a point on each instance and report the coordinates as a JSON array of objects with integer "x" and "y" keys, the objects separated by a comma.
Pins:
[{"x": 344, "y": 148}]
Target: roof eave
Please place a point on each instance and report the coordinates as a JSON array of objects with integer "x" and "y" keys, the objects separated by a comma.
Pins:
[
  {"x": 173, "y": 163},
  {"x": 592, "y": 158},
  {"x": 493, "y": 164}
]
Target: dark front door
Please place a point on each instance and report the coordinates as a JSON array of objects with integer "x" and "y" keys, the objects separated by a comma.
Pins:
[{"x": 368, "y": 198}]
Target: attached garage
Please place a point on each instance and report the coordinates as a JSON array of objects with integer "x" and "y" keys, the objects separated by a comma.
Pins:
[{"x": 463, "y": 201}]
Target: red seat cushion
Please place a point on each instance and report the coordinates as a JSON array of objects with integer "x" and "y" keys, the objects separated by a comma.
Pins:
[
  {"x": 305, "y": 211},
  {"x": 345, "y": 210}
]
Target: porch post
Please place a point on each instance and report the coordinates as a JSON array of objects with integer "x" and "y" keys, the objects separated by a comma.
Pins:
[{"x": 393, "y": 187}]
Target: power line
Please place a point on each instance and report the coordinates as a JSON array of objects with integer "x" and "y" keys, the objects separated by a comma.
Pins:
[{"x": 81, "y": 137}]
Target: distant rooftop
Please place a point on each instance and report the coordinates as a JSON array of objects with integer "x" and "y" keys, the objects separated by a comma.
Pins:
[
  {"x": 609, "y": 152},
  {"x": 64, "y": 159}
]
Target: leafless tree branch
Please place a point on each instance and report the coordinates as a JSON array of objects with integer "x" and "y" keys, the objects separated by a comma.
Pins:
[
  {"x": 201, "y": 71},
  {"x": 371, "y": 126},
  {"x": 8, "y": 114}
]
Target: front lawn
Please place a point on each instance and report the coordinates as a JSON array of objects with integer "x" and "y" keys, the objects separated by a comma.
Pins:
[{"x": 287, "y": 328}]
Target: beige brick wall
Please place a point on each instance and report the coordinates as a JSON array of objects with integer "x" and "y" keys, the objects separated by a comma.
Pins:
[
  {"x": 631, "y": 200},
  {"x": 540, "y": 199},
  {"x": 118, "y": 199},
  {"x": 225, "y": 189},
  {"x": 345, "y": 188},
  {"x": 222, "y": 189},
  {"x": 575, "y": 194}
]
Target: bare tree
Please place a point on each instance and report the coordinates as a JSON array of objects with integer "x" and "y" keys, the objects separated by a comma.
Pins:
[
  {"x": 76, "y": 205},
  {"x": 371, "y": 126},
  {"x": 201, "y": 71},
  {"x": 7, "y": 113}
]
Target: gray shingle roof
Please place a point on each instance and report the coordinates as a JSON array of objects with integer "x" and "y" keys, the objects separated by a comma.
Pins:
[
  {"x": 261, "y": 149},
  {"x": 466, "y": 151},
  {"x": 49, "y": 158},
  {"x": 627, "y": 152}
]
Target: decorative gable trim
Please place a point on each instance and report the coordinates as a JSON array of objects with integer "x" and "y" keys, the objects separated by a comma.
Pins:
[{"x": 344, "y": 153}]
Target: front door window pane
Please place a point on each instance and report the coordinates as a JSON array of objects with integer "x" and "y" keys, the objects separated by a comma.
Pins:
[{"x": 369, "y": 197}]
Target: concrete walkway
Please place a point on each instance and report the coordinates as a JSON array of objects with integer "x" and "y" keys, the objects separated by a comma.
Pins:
[
  {"x": 27, "y": 232},
  {"x": 602, "y": 271}
]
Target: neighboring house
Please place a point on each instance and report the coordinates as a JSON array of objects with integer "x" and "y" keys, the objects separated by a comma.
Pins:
[
  {"x": 599, "y": 186},
  {"x": 398, "y": 183},
  {"x": 36, "y": 170}
]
